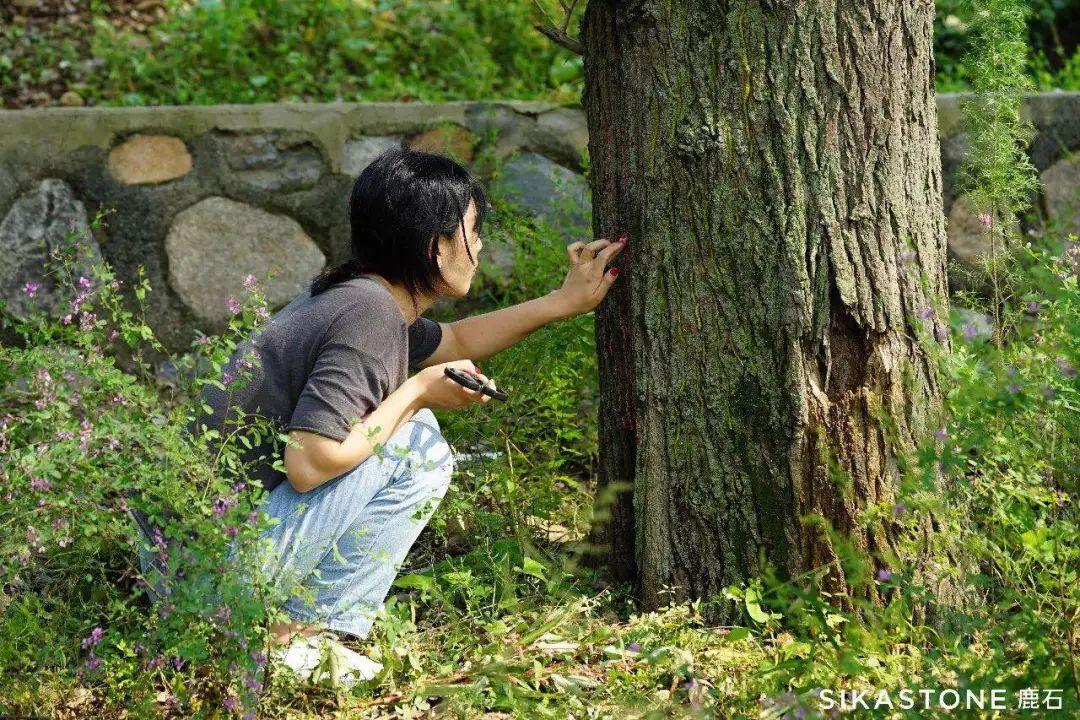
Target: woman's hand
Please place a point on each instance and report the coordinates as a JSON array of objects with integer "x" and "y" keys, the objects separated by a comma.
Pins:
[
  {"x": 586, "y": 283},
  {"x": 436, "y": 390}
]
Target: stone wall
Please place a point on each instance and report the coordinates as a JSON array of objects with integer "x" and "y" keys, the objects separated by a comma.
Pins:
[{"x": 202, "y": 196}]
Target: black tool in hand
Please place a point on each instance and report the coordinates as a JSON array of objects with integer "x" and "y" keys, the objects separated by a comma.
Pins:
[{"x": 472, "y": 383}]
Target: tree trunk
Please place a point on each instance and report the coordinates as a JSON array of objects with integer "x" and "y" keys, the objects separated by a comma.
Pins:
[{"x": 762, "y": 357}]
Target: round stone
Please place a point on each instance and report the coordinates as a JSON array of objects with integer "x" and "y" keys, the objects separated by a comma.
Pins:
[
  {"x": 1061, "y": 186},
  {"x": 452, "y": 140},
  {"x": 145, "y": 159},
  {"x": 213, "y": 245},
  {"x": 39, "y": 222},
  {"x": 71, "y": 99}
]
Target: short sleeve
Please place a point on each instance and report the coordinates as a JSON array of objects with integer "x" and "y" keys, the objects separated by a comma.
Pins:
[
  {"x": 424, "y": 338},
  {"x": 345, "y": 384}
]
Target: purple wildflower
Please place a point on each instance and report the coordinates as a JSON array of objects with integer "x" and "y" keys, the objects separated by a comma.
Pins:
[
  {"x": 941, "y": 434},
  {"x": 40, "y": 484},
  {"x": 259, "y": 657},
  {"x": 93, "y": 661},
  {"x": 31, "y": 288},
  {"x": 899, "y": 509},
  {"x": 926, "y": 313},
  {"x": 226, "y": 377},
  {"x": 84, "y": 282},
  {"x": 250, "y": 281},
  {"x": 232, "y": 306},
  {"x": 970, "y": 333},
  {"x": 178, "y": 662},
  {"x": 34, "y": 539},
  {"x": 252, "y": 684},
  {"x": 986, "y": 220},
  {"x": 93, "y": 638},
  {"x": 634, "y": 647},
  {"x": 154, "y": 662},
  {"x": 884, "y": 575},
  {"x": 221, "y": 506},
  {"x": 229, "y": 704},
  {"x": 1033, "y": 307}
]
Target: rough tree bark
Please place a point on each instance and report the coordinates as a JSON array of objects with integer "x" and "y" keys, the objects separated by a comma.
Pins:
[{"x": 776, "y": 166}]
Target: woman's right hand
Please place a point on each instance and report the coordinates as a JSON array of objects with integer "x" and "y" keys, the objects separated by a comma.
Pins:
[{"x": 436, "y": 390}]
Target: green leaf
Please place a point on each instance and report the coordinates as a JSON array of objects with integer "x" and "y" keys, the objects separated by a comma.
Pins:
[
  {"x": 534, "y": 568},
  {"x": 416, "y": 582}
]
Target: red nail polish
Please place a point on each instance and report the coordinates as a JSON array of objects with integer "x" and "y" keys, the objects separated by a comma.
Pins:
[{"x": 614, "y": 272}]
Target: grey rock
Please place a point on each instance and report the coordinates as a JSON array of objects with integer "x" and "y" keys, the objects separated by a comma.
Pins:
[
  {"x": 39, "y": 222},
  {"x": 968, "y": 246},
  {"x": 561, "y": 134},
  {"x": 212, "y": 245},
  {"x": 359, "y": 153},
  {"x": 272, "y": 162},
  {"x": 534, "y": 184},
  {"x": 1061, "y": 186},
  {"x": 251, "y": 152},
  {"x": 509, "y": 127}
]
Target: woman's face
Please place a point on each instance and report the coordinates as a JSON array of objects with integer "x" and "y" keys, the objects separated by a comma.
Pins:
[{"x": 454, "y": 263}]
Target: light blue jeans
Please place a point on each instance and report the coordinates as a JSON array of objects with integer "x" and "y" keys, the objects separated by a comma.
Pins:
[
  {"x": 336, "y": 550},
  {"x": 332, "y": 553}
]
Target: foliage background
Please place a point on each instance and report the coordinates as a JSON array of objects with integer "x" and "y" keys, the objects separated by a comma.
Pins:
[
  {"x": 496, "y": 612},
  {"x": 176, "y": 52}
]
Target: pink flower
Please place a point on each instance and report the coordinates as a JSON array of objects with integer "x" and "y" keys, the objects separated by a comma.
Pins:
[
  {"x": 986, "y": 220},
  {"x": 83, "y": 282},
  {"x": 249, "y": 282},
  {"x": 232, "y": 306},
  {"x": 30, "y": 288}
]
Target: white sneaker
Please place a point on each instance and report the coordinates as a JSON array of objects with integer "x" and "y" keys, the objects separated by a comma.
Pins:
[{"x": 315, "y": 656}]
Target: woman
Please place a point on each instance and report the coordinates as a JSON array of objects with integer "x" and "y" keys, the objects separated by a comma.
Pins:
[{"x": 332, "y": 368}]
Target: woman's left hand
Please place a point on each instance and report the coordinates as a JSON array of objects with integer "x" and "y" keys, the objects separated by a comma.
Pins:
[{"x": 586, "y": 283}]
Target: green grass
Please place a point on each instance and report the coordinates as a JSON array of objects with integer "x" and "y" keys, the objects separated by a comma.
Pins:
[{"x": 253, "y": 51}]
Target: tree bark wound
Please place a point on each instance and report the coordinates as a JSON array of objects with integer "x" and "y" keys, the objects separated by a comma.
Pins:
[{"x": 776, "y": 166}]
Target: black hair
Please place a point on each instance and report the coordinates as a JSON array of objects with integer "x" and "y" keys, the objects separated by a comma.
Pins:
[{"x": 399, "y": 207}]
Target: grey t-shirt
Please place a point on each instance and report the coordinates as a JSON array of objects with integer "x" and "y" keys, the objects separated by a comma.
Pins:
[{"x": 319, "y": 364}]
